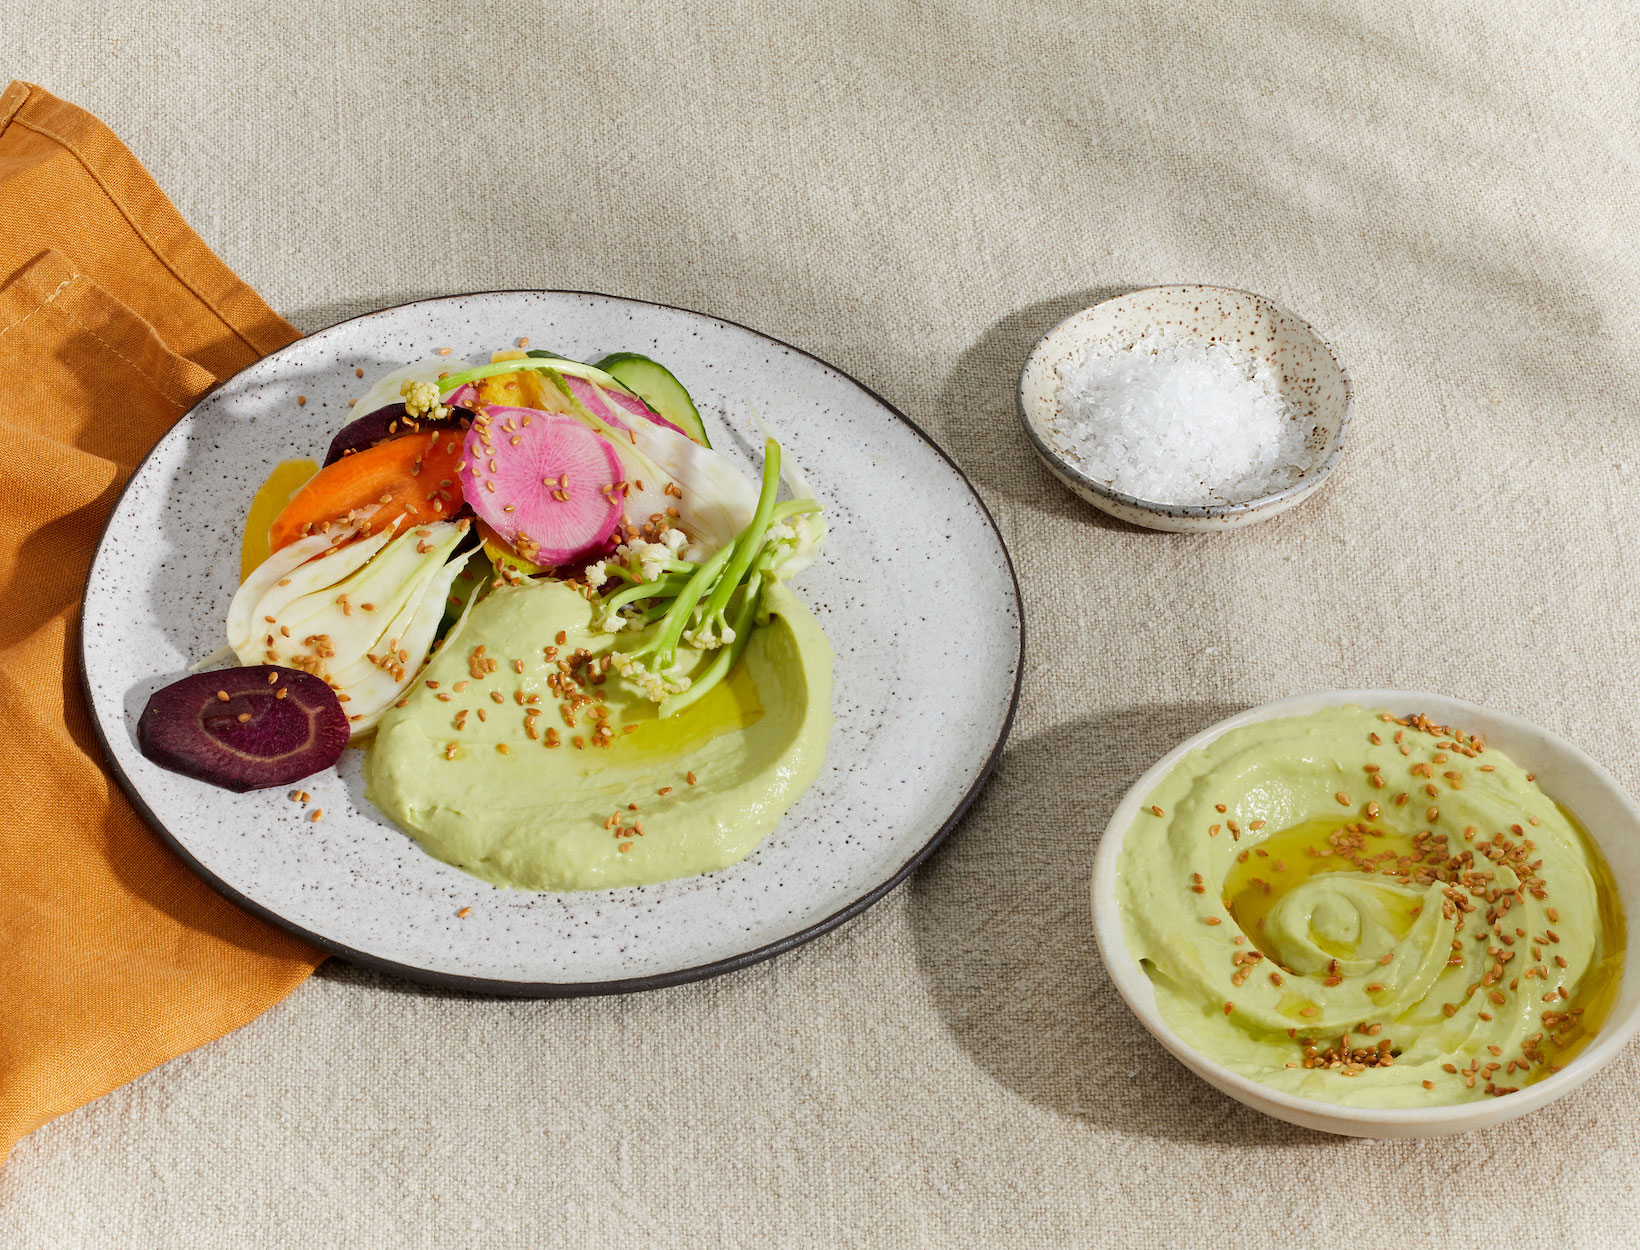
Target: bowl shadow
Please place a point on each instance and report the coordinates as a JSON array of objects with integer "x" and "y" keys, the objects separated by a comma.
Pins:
[
  {"x": 985, "y": 382},
  {"x": 1004, "y": 939}
]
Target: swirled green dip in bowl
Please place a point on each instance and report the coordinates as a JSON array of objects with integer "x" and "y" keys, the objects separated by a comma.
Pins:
[{"x": 1371, "y": 911}]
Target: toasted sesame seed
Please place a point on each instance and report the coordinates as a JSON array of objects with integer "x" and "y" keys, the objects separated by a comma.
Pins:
[
  {"x": 317, "y": 812},
  {"x": 1155, "y": 811}
]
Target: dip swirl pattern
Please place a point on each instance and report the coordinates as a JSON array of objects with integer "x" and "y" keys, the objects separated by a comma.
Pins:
[{"x": 1370, "y": 911}]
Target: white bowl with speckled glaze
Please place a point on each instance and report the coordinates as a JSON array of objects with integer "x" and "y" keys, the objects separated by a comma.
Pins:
[
  {"x": 1313, "y": 381},
  {"x": 1565, "y": 772},
  {"x": 915, "y": 591}
]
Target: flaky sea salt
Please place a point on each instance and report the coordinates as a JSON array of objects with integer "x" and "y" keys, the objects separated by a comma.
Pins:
[{"x": 1172, "y": 419}]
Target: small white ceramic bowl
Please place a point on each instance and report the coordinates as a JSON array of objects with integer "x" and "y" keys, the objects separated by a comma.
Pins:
[
  {"x": 1566, "y": 774},
  {"x": 1312, "y": 381}
]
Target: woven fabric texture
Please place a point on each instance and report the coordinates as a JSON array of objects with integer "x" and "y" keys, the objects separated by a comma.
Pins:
[{"x": 915, "y": 192}]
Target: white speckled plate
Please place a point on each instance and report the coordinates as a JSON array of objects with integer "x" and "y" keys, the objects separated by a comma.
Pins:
[{"x": 915, "y": 591}]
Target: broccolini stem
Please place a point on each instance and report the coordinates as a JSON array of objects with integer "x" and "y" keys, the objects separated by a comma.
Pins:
[
  {"x": 644, "y": 590},
  {"x": 794, "y": 507},
  {"x": 664, "y": 645},
  {"x": 456, "y": 381},
  {"x": 750, "y": 541},
  {"x": 726, "y": 657}
]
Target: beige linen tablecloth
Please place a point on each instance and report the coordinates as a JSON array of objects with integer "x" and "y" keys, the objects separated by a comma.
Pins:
[{"x": 915, "y": 192}]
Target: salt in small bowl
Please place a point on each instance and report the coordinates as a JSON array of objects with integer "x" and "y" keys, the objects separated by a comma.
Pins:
[{"x": 1313, "y": 382}]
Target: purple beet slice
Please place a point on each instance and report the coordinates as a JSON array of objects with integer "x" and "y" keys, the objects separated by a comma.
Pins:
[
  {"x": 389, "y": 422},
  {"x": 245, "y": 728}
]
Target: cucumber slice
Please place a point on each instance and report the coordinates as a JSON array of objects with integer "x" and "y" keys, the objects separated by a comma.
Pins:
[{"x": 654, "y": 384}]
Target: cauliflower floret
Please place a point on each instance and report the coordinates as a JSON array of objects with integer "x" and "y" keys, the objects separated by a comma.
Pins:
[
  {"x": 655, "y": 687},
  {"x": 652, "y": 558},
  {"x": 421, "y": 400},
  {"x": 597, "y": 575},
  {"x": 795, "y": 544},
  {"x": 707, "y": 640}
]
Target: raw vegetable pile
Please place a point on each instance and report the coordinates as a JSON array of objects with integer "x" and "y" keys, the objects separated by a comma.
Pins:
[{"x": 459, "y": 479}]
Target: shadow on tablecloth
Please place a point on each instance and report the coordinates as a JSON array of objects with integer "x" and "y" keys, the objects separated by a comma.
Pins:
[
  {"x": 1005, "y": 940},
  {"x": 979, "y": 406}
]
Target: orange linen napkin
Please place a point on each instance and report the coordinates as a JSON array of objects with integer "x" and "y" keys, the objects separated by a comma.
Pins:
[{"x": 114, "y": 318}]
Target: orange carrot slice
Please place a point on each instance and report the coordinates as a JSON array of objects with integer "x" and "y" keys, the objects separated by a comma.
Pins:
[{"x": 413, "y": 478}]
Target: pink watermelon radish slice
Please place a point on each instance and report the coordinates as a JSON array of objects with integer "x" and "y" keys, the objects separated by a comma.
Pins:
[
  {"x": 463, "y": 397},
  {"x": 543, "y": 483},
  {"x": 593, "y": 403},
  {"x": 620, "y": 409},
  {"x": 638, "y": 408}
]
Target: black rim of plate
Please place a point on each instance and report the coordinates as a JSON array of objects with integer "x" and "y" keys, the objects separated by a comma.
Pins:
[{"x": 626, "y": 985}]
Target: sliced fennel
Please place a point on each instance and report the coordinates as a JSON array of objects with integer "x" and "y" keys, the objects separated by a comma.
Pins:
[{"x": 361, "y": 616}]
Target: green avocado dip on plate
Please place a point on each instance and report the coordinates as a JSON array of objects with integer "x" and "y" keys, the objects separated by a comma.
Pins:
[
  {"x": 1371, "y": 911},
  {"x": 481, "y": 768}
]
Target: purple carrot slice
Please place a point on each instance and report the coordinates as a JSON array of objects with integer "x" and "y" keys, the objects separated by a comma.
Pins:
[
  {"x": 389, "y": 422},
  {"x": 544, "y": 483},
  {"x": 245, "y": 728}
]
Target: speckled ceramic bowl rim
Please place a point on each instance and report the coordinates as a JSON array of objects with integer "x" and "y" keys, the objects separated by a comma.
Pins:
[
  {"x": 625, "y": 985},
  {"x": 1310, "y": 481},
  {"x": 1134, "y": 985}
]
